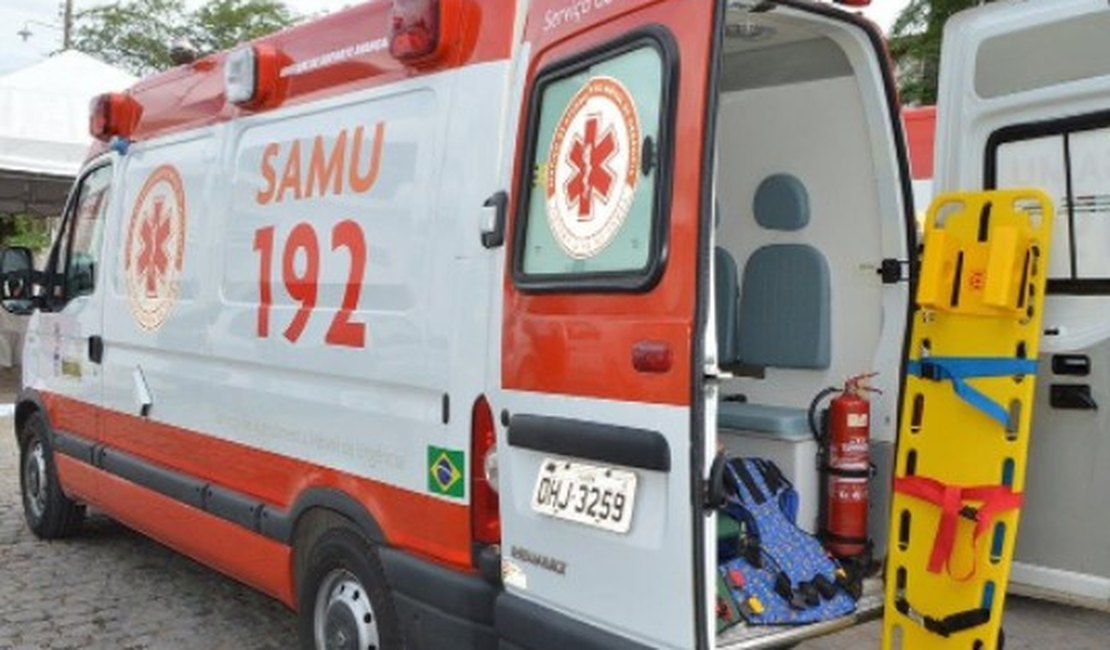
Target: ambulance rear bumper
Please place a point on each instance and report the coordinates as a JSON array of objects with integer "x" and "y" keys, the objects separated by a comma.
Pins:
[{"x": 440, "y": 609}]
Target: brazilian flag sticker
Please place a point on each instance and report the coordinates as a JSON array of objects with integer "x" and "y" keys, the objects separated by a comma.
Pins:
[{"x": 445, "y": 472}]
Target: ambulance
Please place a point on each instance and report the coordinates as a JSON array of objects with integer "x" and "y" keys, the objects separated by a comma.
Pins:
[{"x": 350, "y": 313}]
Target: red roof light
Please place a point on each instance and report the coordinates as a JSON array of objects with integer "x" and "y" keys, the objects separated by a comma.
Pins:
[
  {"x": 418, "y": 29},
  {"x": 112, "y": 115}
]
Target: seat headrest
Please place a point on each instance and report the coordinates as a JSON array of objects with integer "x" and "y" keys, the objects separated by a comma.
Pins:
[{"x": 781, "y": 203}]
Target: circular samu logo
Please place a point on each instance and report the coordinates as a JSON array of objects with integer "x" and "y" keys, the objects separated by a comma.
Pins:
[
  {"x": 593, "y": 168},
  {"x": 155, "y": 247}
]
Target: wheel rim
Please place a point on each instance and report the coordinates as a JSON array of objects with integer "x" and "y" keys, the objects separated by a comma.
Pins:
[
  {"x": 35, "y": 479},
  {"x": 344, "y": 618}
]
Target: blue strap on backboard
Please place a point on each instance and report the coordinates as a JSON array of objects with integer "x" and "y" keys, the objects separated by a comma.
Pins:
[{"x": 958, "y": 369}]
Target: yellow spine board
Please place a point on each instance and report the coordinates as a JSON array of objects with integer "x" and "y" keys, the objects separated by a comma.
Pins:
[{"x": 980, "y": 294}]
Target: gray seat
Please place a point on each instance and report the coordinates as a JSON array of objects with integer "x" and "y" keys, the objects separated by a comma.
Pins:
[
  {"x": 727, "y": 284},
  {"x": 781, "y": 203},
  {"x": 781, "y": 421},
  {"x": 785, "y": 308},
  {"x": 783, "y": 316}
]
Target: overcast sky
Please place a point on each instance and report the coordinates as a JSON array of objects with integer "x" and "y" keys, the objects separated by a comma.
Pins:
[{"x": 15, "y": 53}]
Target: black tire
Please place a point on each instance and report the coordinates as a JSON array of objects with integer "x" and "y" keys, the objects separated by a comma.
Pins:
[
  {"x": 50, "y": 514},
  {"x": 341, "y": 572}
]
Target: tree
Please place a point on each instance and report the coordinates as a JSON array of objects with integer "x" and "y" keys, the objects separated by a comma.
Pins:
[
  {"x": 220, "y": 24},
  {"x": 24, "y": 230},
  {"x": 915, "y": 44},
  {"x": 136, "y": 34}
]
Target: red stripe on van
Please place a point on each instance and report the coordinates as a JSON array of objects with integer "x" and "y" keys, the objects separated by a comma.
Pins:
[
  {"x": 248, "y": 557},
  {"x": 435, "y": 529}
]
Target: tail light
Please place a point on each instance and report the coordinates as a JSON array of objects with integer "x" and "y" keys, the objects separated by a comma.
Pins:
[
  {"x": 252, "y": 77},
  {"x": 418, "y": 28},
  {"x": 853, "y": 3},
  {"x": 112, "y": 115},
  {"x": 485, "y": 513}
]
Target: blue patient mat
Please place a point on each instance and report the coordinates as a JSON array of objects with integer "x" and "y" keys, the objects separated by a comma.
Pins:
[{"x": 792, "y": 578}]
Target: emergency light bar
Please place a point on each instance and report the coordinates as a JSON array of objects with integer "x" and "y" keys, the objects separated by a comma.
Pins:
[
  {"x": 419, "y": 27},
  {"x": 252, "y": 77},
  {"x": 112, "y": 115}
]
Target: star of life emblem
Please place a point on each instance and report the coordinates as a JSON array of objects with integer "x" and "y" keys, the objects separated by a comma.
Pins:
[
  {"x": 593, "y": 168},
  {"x": 155, "y": 249}
]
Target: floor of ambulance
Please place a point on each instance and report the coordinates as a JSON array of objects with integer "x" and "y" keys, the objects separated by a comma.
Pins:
[{"x": 772, "y": 636}]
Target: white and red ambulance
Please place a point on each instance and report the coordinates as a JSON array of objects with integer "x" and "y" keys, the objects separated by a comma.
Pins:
[{"x": 429, "y": 318}]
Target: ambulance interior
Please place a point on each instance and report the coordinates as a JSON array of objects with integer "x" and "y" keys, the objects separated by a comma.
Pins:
[{"x": 808, "y": 205}]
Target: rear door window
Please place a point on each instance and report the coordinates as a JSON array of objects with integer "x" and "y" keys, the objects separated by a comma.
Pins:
[{"x": 593, "y": 209}]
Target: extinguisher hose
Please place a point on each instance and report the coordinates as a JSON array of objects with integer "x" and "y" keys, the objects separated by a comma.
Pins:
[{"x": 814, "y": 406}]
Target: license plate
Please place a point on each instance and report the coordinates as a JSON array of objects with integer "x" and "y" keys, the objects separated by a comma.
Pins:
[{"x": 601, "y": 497}]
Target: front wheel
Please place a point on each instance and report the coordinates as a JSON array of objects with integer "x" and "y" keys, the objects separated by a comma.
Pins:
[
  {"x": 49, "y": 512},
  {"x": 343, "y": 600}
]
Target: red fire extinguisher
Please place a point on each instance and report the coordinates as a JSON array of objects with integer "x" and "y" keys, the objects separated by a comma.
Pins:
[{"x": 844, "y": 440}]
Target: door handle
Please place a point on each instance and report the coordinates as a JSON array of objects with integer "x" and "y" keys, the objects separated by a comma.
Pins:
[
  {"x": 96, "y": 349},
  {"x": 1076, "y": 365},
  {"x": 493, "y": 232}
]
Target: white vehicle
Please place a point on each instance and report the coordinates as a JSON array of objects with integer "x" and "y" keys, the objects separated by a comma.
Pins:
[
  {"x": 1034, "y": 111},
  {"x": 343, "y": 312}
]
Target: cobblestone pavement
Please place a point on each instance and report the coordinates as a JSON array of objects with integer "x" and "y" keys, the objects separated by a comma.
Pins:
[{"x": 113, "y": 589}]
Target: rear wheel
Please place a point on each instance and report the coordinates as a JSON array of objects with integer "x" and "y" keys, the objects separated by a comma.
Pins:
[
  {"x": 49, "y": 512},
  {"x": 343, "y": 600}
]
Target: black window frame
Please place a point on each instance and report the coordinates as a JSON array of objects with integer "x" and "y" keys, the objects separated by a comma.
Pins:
[
  {"x": 1062, "y": 127},
  {"x": 57, "y": 293},
  {"x": 624, "y": 281}
]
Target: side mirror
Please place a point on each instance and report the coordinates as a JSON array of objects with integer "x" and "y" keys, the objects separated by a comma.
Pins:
[{"x": 16, "y": 276}]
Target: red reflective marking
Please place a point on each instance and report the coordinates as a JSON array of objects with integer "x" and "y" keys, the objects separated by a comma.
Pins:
[
  {"x": 246, "y": 556},
  {"x": 344, "y": 331},
  {"x": 652, "y": 356},
  {"x": 152, "y": 260},
  {"x": 590, "y": 157},
  {"x": 264, "y": 245},
  {"x": 304, "y": 288},
  {"x": 361, "y": 183},
  {"x": 431, "y": 528}
]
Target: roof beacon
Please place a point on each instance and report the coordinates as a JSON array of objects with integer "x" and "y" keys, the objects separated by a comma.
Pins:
[
  {"x": 113, "y": 114},
  {"x": 252, "y": 77},
  {"x": 417, "y": 29}
]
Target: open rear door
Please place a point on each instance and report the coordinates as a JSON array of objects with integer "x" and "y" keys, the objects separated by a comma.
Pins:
[
  {"x": 1025, "y": 102},
  {"x": 600, "y": 368}
]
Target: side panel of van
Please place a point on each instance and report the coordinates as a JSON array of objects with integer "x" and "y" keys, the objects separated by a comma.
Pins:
[
  {"x": 1024, "y": 96},
  {"x": 324, "y": 338}
]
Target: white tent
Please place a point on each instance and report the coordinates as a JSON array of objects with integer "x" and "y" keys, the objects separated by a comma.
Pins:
[{"x": 44, "y": 136}]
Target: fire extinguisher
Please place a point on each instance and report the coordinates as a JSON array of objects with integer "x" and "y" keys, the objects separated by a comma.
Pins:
[{"x": 843, "y": 439}]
